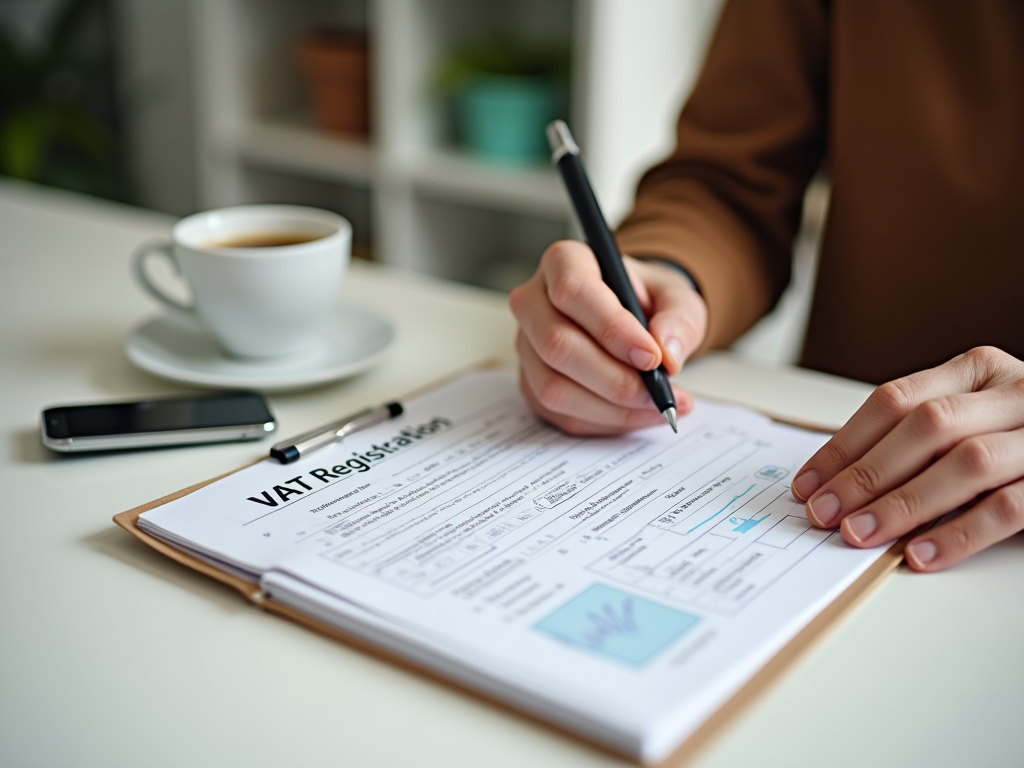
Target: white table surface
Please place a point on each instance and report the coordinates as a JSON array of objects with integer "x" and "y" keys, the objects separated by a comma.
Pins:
[{"x": 113, "y": 655}]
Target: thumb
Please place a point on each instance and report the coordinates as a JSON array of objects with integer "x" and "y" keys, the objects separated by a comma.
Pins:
[{"x": 678, "y": 322}]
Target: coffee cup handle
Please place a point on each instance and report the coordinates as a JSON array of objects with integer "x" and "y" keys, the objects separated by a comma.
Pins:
[{"x": 139, "y": 258}]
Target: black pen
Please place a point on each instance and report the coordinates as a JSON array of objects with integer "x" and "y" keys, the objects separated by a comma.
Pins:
[
  {"x": 301, "y": 445},
  {"x": 566, "y": 155}
]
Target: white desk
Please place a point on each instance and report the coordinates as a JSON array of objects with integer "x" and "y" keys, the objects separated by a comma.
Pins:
[{"x": 928, "y": 670}]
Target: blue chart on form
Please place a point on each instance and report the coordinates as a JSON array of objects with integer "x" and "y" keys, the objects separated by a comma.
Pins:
[{"x": 617, "y": 624}]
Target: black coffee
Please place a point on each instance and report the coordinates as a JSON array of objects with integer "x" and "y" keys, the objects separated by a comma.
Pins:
[{"x": 265, "y": 240}]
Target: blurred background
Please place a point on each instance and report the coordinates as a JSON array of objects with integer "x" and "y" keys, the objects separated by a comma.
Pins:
[
  {"x": 419, "y": 120},
  {"x": 61, "y": 120}
]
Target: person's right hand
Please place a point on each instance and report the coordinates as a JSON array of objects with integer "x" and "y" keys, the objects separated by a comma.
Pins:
[{"x": 580, "y": 349}]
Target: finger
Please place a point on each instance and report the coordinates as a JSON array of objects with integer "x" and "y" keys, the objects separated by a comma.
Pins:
[
  {"x": 575, "y": 288},
  {"x": 889, "y": 404},
  {"x": 996, "y": 517},
  {"x": 574, "y": 409},
  {"x": 560, "y": 345},
  {"x": 562, "y": 400},
  {"x": 928, "y": 432},
  {"x": 577, "y": 410},
  {"x": 973, "y": 467},
  {"x": 678, "y": 317}
]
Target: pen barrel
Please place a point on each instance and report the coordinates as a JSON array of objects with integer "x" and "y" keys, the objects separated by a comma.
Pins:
[
  {"x": 598, "y": 235},
  {"x": 319, "y": 441},
  {"x": 613, "y": 271},
  {"x": 659, "y": 387},
  {"x": 327, "y": 432},
  {"x": 292, "y": 450}
]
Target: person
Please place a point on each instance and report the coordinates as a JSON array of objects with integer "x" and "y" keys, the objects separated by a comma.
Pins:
[{"x": 916, "y": 109}]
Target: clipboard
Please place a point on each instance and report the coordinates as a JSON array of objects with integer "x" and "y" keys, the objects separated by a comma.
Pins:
[{"x": 686, "y": 751}]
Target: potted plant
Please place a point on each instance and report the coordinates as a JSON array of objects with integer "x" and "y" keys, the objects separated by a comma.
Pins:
[
  {"x": 504, "y": 93},
  {"x": 336, "y": 65}
]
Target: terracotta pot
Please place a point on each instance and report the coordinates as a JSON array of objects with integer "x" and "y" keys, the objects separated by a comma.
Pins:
[{"x": 336, "y": 66}]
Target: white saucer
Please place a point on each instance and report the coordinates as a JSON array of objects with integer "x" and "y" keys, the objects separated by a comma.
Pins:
[{"x": 178, "y": 348}]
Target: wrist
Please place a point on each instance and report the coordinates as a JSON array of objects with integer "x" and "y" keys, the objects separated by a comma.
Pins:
[{"x": 675, "y": 266}]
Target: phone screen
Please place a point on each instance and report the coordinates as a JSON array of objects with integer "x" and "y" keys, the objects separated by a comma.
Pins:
[{"x": 163, "y": 415}]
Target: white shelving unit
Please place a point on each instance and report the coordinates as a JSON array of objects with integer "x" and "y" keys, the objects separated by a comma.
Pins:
[{"x": 415, "y": 197}]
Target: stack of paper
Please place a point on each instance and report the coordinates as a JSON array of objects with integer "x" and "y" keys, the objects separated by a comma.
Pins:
[{"x": 622, "y": 588}]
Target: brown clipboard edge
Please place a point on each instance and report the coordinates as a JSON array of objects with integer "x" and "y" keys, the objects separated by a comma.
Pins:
[{"x": 696, "y": 742}]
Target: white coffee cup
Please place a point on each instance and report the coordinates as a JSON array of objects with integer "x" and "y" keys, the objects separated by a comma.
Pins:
[{"x": 258, "y": 298}]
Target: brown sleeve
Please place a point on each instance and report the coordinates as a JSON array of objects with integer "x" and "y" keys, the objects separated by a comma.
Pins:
[{"x": 726, "y": 205}]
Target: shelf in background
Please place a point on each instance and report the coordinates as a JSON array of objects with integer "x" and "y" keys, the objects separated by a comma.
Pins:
[
  {"x": 293, "y": 144},
  {"x": 424, "y": 205},
  {"x": 534, "y": 190}
]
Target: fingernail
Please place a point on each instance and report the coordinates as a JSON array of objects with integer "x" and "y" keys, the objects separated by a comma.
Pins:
[
  {"x": 861, "y": 526},
  {"x": 642, "y": 359},
  {"x": 825, "y": 508},
  {"x": 923, "y": 552},
  {"x": 805, "y": 484},
  {"x": 675, "y": 351}
]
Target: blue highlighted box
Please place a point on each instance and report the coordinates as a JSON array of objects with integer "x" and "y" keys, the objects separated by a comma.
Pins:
[{"x": 617, "y": 624}]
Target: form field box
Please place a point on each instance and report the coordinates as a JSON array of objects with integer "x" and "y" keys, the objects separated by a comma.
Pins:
[{"x": 785, "y": 532}]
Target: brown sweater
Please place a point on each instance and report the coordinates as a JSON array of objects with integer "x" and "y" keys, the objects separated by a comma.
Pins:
[{"x": 918, "y": 108}]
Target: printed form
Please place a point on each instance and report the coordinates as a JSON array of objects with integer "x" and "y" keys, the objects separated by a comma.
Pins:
[{"x": 623, "y": 587}]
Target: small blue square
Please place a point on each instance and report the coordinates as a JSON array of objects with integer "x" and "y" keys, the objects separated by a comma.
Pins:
[{"x": 617, "y": 624}]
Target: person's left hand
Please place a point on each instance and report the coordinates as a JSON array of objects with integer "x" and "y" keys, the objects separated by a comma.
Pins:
[{"x": 920, "y": 447}]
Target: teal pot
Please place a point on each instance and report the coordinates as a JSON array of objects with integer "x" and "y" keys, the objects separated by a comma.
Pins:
[{"x": 502, "y": 117}]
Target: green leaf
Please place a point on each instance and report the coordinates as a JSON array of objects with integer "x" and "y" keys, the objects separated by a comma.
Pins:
[
  {"x": 497, "y": 54},
  {"x": 23, "y": 140}
]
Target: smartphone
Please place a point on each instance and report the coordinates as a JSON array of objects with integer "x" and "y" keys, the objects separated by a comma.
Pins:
[{"x": 159, "y": 422}]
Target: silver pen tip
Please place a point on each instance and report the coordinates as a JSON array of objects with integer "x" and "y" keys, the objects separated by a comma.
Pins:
[{"x": 670, "y": 417}]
